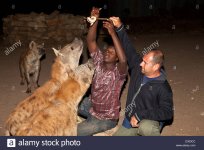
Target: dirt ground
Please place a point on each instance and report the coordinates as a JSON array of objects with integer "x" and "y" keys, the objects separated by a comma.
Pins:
[{"x": 184, "y": 55}]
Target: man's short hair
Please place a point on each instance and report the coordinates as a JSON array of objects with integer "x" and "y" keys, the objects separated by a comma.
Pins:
[{"x": 158, "y": 57}]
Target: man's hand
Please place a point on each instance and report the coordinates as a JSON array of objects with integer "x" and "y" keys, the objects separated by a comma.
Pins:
[
  {"x": 109, "y": 26},
  {"x": 95, "y": 12},
  {"x": 134, "y": 122},
  {"x": 116, "y": 21}
]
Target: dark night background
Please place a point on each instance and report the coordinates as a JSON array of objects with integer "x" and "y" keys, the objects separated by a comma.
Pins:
[
  {"x": 135, "y": 8},
  {"x": 130, "y": 11}
]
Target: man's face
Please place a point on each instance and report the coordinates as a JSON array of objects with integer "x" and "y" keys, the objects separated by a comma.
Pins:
[
  {"x": 110, "y": 55},
  {"x": 147, "y": 64}
]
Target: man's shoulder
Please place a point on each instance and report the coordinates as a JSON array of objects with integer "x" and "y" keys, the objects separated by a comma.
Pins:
[{"x": 165, "y": 87}]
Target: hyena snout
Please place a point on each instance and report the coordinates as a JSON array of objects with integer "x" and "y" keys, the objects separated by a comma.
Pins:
[
  {"x": 42, "y": 52},
  {"x": 90, "y": 64},
  {"x": 70, "y": 54}
]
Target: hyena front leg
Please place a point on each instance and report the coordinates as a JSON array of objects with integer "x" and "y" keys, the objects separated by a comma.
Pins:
[
  {"x": 22, "y": 76},
  {"x": 27, "y": 76},
  {"x": 36, "y": 78}
]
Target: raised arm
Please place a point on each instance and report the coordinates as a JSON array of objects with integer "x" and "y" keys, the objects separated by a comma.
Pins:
[
  {"x": 133, "y": 57},
  {"x": 91, "y": 37},
  {"x": 122, "y": 65}
]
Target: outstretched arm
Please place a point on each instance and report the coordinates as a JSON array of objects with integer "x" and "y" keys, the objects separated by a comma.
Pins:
[
  {"x": 91, "y": 37},
  {"x": 133, "y": 57},
  {"x": 122, "y": 65}
]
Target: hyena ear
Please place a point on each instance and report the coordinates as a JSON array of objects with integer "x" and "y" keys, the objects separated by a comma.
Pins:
[
  {"x": 32, "y": 44},
  {"x": 57, "y": 53}
]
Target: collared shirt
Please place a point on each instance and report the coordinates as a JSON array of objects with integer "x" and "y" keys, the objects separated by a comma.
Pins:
[{"x": 106, "y": 88}]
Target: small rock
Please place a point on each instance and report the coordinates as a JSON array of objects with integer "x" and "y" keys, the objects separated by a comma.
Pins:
[
  {"x": 197, "y": 129},
  {"x": 192, "y": 98},
  {"x": 174, "y": 67},
  {"x": 179, "y": 82},
  {"x": 13, "y": 88},
  {"x": 202, "y": 113},
  {"x": 195, "y": 89},
  {"x": 197, "y": 47}
]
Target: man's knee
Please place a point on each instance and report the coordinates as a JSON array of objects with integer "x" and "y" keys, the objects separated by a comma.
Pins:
[
  {"x": 93, "y": 125},
  {"x": 149, "y": 128},
  {"x": 122, "y": 131},
  {"x": 84, "y": 129},
  {"x": 84, "y": 107}
]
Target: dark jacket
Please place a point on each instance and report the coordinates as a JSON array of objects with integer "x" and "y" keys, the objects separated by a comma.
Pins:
[{"x": 154, "y": 99}]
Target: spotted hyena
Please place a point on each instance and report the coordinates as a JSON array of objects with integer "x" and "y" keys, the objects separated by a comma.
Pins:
[
  {"x": 29, "y": 65},
  {"x": 67, "y": 59},
  {"x": 59, "y": 118}
]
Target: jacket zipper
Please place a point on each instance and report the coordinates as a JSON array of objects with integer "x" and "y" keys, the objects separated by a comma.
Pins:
[{"x": 134, "y": 98}]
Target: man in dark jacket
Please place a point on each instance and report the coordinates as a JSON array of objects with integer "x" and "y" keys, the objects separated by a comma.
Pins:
[{"x": 150, "y": 99}]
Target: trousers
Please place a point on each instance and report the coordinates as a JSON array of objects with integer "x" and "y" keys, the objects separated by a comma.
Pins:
[{"x": 92, "y": 125}]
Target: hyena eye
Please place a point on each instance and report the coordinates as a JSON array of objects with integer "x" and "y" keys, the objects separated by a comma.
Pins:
[{"x": 72, "y": 48}]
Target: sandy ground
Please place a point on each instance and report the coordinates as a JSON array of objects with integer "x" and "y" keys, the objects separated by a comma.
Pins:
[{"x": 184, "y": 56}]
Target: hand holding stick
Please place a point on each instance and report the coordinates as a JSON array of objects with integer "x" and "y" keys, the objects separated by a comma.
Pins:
[{"x": 93, "y": 19}]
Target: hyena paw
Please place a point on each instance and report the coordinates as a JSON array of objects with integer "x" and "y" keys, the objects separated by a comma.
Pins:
[
  {"x": 37, "y": 86},
  {"x": 28, "y": 90}
]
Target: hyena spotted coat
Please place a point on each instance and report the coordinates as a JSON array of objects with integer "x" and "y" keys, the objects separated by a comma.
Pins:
[
  {"x": 67, "y": 59},
  {"x": 29, "y": 64},
  {"x": 59, "y": 118}
]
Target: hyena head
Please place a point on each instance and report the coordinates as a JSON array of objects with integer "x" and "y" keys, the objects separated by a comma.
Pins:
[
  {"x": 38, "y": 49},
  {"x": 84, "y": 73},
  {"x": 70, "y": 54}
]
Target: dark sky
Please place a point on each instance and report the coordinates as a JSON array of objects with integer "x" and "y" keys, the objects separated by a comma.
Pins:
[
  {"x": 122, "y": 8},
  {"x": 115, "y": 7},
  {"x": 76, "y": 7},
  {"x": 48, "y": 6}
]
